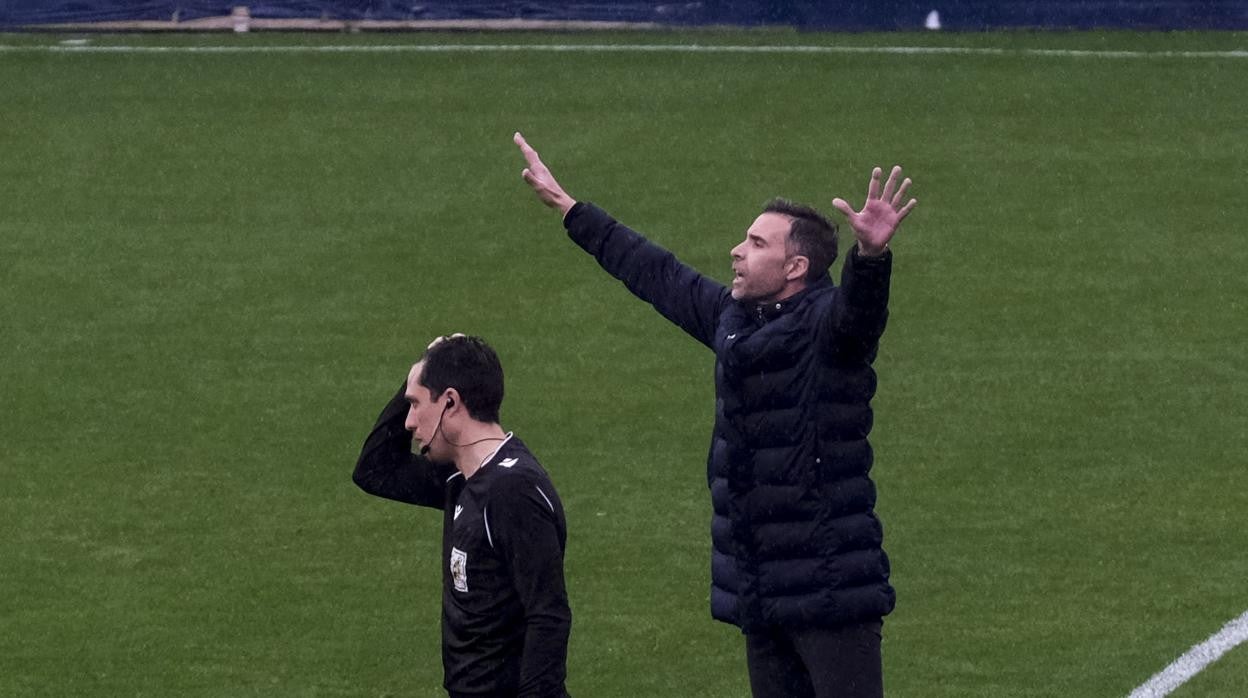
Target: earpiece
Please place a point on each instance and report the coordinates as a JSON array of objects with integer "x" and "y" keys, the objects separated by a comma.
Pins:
[{"x": 450, "y": 402}]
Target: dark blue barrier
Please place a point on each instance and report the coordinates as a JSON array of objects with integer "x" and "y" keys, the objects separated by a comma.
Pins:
[{"x": 804, "y": 14}]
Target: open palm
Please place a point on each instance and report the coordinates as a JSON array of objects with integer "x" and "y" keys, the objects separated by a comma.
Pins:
[{"x": 882, "y": 212}]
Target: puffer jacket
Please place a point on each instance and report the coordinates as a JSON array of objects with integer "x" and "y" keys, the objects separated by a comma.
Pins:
[{"x": 795, "y": 539}]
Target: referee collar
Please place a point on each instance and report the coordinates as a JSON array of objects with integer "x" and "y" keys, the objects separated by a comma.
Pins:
[{"x": 495, "y": 451}]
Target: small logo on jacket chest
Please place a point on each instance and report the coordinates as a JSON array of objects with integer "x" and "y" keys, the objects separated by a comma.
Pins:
[{"x": 459, "y": 569}]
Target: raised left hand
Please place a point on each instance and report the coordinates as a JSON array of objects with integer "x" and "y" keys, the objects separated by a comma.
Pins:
[{"x": 883, "y": 211}]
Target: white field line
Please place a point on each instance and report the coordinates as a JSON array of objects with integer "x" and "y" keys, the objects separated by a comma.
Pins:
[
  {"x": 627, "y": 48},
  {"x": 1194, "y": 660}
]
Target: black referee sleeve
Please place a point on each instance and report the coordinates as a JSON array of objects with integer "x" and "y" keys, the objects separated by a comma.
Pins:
[
  {"x": 530, "y": 534},
  {"x": 388, "y": 468}
]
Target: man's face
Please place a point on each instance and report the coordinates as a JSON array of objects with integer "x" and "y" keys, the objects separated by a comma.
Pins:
[
  {"x": 424, "y": 416},
  {"x": 759, "y": 262}
]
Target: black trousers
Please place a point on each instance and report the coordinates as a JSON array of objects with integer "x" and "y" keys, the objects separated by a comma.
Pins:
[{"x": 840, "y": 662}]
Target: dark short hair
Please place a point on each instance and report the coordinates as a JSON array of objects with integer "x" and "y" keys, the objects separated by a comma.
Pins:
[
  {"x": 471, "y": 367},
  {"x": 811, "y": 235}
]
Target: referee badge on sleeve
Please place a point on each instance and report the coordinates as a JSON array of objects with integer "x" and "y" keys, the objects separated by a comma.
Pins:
[{"x": 459, "y": 569}]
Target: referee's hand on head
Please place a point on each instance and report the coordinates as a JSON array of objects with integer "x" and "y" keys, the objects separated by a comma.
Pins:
[{"x": 443, "y": 338}]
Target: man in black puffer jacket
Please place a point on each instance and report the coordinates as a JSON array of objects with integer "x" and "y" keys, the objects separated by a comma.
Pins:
[{"x": 797, "y": 560}]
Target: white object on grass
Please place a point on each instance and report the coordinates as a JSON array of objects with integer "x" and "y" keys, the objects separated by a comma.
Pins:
[{"x": 1194, "y": 660}]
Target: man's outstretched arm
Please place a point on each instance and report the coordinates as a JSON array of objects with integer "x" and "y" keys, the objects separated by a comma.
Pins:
[
  {"x": 861, "y": 311},
  {"x": 689, "y": 299}
]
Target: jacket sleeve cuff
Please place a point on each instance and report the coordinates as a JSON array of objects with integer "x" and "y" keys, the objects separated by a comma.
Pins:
[
  {"x": 588, "y": 226},
  {"x": 867, "y": 261},
  {"x": 572, "y": 213}
]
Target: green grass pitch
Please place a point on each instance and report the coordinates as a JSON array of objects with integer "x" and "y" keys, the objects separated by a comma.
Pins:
[{"x": 216, "y": 268}]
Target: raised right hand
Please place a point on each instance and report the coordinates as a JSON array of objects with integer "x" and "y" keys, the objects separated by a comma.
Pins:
[{"x": 543, "y": 182}]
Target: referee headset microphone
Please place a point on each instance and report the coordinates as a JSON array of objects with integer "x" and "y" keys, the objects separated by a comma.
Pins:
[
  {"x": 450, "y": 402},
  {"x": 424, "y": 450}
]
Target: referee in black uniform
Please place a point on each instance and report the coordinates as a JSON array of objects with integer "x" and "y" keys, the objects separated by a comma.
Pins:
[{"x": 505, "y": 614}]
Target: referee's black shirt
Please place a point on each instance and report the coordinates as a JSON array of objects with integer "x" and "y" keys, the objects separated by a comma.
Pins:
[{"x": 505, "y": 614}]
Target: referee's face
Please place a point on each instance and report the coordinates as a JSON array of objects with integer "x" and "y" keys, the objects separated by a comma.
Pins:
[{"x": 424, "y": 416}]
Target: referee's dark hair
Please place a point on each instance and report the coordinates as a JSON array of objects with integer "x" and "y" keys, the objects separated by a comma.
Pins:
[
  {"x": 811, "y": 235},
  {"x": 471, "y": 367}
]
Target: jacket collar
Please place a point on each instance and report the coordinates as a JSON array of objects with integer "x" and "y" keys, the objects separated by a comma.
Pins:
[{"x": 765, "y": 312}]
